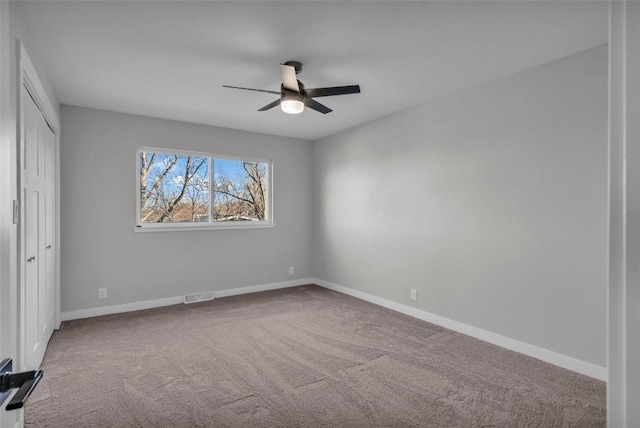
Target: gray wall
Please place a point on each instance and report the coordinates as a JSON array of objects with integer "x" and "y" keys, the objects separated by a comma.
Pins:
[
  {"x": 491, "y": 202},
  {"x": 98, "y": 196}
]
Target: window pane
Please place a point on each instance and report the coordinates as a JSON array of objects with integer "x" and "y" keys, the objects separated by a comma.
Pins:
[
  {"x": 240, "y": 190},
  {"x": 174, "y": 188}
]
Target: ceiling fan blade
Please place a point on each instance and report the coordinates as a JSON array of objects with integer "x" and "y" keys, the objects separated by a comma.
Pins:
[
  {"x": 270, "y": 105},
  {"x": 313, "y": 104},
  {"x": 251, "y": 89},
  {"x": 336, "y": 90},
  {"x": 289, "y": 79}
]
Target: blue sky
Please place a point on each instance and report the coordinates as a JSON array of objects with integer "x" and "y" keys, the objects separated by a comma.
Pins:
[{"x": 232, "y": 169}]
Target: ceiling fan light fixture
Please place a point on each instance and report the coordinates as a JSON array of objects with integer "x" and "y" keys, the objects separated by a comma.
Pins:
[{"x": 292, "y": 106}]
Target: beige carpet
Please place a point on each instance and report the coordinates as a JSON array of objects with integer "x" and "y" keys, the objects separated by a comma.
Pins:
[{"x": 298, "y": 357}]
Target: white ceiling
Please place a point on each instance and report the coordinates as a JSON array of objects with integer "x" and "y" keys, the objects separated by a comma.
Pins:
[{"x": 170, "y": 59}]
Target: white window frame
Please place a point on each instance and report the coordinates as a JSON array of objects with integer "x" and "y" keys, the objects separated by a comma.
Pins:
[{"x": 210, "y": 225}]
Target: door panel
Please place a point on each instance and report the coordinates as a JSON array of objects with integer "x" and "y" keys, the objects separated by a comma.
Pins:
[
  {"x": 49, "y": 261},
  {"x": 47, "y": 247},
  {"x": 31, "y": 294},
  {"x": 50, "y": 231}
]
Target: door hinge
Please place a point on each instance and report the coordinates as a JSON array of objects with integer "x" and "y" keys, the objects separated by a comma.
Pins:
[{"x": 16, "y": 211}]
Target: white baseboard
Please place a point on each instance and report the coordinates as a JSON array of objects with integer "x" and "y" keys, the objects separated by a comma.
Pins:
[
  {"x": 148, "y": 304},
  {"x": 543, "y": 354},
  {"x": 263, "y": 287},
  {"x": 117, "y": 309}
]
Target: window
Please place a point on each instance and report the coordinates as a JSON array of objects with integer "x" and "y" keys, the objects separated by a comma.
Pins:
[{"x": 176, "y": 190}]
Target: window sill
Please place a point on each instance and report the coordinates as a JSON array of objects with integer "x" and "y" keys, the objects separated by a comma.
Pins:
[{"x": 222, "y": 226}]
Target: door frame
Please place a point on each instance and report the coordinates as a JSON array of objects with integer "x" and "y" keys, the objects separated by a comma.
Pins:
[
  {"x": 30, "y": 81},
  {"x": 8, "y": 312}
]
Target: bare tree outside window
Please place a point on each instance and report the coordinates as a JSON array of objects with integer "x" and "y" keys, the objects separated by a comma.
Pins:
[
  {"x": 175, "y": 188},
  {"x": 240, "y": 190}
]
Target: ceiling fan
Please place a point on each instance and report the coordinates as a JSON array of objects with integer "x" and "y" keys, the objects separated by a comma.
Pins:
[{"x": 294, "y": 96}]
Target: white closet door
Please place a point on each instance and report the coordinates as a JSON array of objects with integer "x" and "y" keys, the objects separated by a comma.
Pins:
[{"x": 39, "y": 205}]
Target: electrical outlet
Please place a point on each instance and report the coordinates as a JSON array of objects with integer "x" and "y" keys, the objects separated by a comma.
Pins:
[
  {"x": 102, "y": 293},
  {"x": 414, "y": 294},
  {"x": 291, "y": 270}
]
